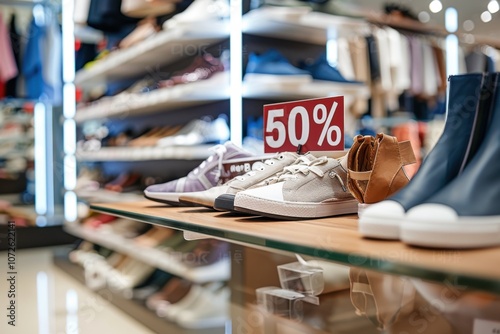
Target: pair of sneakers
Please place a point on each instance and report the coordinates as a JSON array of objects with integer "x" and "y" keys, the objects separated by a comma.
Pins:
[{"x": 285, "y": 186}]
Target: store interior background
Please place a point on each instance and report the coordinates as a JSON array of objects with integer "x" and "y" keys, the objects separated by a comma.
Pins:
[{"x": 51, "y": 301}]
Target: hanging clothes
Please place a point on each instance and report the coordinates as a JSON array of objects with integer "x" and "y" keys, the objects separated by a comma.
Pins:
[
  {"x": 32, "y": 61},
  {"x": 8, "y": 67},
  {"x": 15, "y": 42},
  {"x": 43, "y": 58},
  {"x": 344, "y": 60},
  {"x": 52, "y": 61}
]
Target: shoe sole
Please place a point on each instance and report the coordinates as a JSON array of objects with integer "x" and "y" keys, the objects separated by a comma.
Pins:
[
  {"x": 379, "y": 228},
  {"x": 196, "y": 203},
  {"x": 469, "y": 232},
  {"x": 294, "y": 210},
  {"x": 224, "y": 203},
  {"x": 162, "y": 200}
]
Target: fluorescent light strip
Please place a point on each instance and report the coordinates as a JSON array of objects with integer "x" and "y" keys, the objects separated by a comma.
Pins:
[
  {"x": 69, "y": 135},
  {"x": 68, "y": 41},
  {"x": 40, "y": 159},
  {"x": 70, "y": 206},
  {"x": 236, "y": 86},
  {"x": 69, "y": 100},
  {"x": 49, "y": 157},
  {"x": 69, "y": 172}
]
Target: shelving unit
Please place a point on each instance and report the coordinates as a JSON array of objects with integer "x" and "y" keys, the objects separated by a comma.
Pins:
[
  {"x": 298, "y": 24},
  {"x": 145, "y": 153},
  {"x": 161, "y": 49},
  {"x": 309, "y": 90},
  {"x": 164, "y": 100},
  {"x": 166, "y": 261},
  {"x": 334, "y": 239}
]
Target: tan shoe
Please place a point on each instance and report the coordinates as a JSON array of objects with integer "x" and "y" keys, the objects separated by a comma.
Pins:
[{"x": 375, "y": 167}]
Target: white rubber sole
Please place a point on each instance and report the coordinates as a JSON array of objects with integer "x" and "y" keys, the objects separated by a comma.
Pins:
[
  {"x": 293, "y": 210},
  {"x": 466, "y": 232},
  {"x": 381, "y": 220},
  {"x": 168, "y": 198},
  {"x": 375, "y": 227}
]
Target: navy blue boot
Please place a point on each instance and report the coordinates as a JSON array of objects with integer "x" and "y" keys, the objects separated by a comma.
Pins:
[{"x": 469, "y": 104}]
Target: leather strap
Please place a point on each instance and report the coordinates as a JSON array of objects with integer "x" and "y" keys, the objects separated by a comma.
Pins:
[
  {"x": 359, "y": 176},
  {"x": 406, "y": 152}
]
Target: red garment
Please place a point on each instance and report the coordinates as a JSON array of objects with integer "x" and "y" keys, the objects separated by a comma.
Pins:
[
  {"x": 2, "y": 89},
  {"x": 8, "y": 67}
]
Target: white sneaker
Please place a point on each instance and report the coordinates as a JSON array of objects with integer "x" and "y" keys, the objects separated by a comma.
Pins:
[{"x": 311, "y": 191}]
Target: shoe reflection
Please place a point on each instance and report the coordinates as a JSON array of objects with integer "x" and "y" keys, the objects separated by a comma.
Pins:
[{"x": 397, "y": 304}]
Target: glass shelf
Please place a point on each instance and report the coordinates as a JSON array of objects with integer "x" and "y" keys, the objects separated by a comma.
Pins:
[{"x": 334, "y": 239}]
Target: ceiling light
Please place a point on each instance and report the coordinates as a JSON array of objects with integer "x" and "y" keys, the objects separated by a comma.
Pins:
[
  {"x": 435, "y": 6},
  {"x": 468, "y": 25},
  {"x": 486, "y": 16},
  {"x": 424, "y": 17},
  {"x": 493, "y": 6}
]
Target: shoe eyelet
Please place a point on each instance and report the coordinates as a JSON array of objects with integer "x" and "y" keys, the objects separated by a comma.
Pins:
[{"x": 281, "y": 157}]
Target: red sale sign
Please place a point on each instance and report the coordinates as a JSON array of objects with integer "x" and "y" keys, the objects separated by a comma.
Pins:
[{"x": 314, "y": 124}]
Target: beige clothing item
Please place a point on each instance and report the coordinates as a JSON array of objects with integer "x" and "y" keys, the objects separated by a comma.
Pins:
[
  {"x": 359, "y": 55},
  {"x": 345, "y": 66}
]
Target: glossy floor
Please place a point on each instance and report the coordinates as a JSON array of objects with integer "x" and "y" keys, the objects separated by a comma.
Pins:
[{"x": 48, "y": 301}]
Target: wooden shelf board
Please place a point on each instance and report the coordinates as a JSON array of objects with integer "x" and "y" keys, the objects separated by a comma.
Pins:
[{"x": 335, "y": 239}]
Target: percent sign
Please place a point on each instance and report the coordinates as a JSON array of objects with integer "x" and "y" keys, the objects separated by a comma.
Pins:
[{"x": 326, "y": 119}]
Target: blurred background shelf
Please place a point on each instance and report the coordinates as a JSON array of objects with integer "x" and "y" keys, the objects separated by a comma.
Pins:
[
  {"x": 164, "y": 48},
  {"x": 166, "y": 261},
  {"x": 145, "y": 153},
  {"x": 160, "y": 100}
]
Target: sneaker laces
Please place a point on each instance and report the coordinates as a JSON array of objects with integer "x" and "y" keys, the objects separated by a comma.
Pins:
[
  {"x": 288, "y": 171},
  {"x": 258, "y": 167},
  {"x": 219, "y": 151},
  {"x": 308, "y": 166}
]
